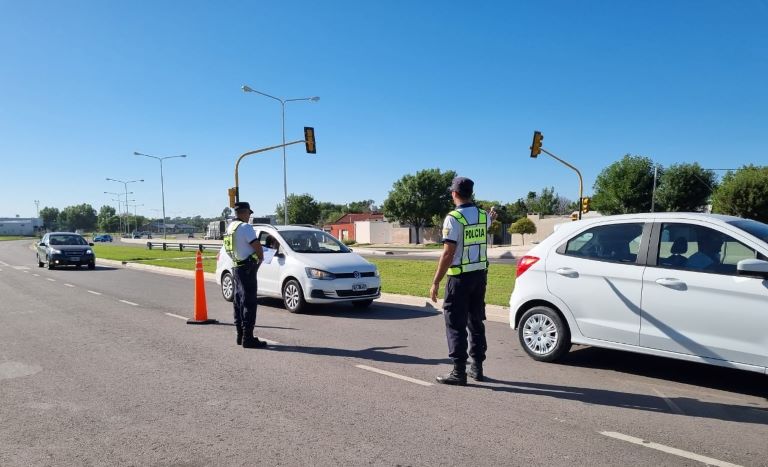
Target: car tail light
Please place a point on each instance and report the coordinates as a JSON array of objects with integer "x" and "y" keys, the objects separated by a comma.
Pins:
[
  {"x": 217, "y": 255},
  {"x": 525, "y": 263}
]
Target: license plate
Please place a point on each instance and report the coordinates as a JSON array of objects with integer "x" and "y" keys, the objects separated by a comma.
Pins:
[
  {"x": 74, "y": 258},
  {"x": 359, "y": 287}
]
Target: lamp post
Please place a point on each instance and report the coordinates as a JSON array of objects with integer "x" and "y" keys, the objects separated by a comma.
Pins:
[
  {"x": 119, "y": 204},
  {"x": 282, "y": 102},
  {"x": 135, "y": 216},
  {"x": 125, "y": 185},
  {"x": 162, "y": 185}
]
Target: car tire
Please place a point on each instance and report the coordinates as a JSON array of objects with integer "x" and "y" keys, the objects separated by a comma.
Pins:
[
  {"x": 293, "y": 297},
  {"x": 362, "y": 303},
  {"x": 39, "y": 263},
  {"x": 543, "y": 334},
  {"x": 50, "y": 263},
  {"x": 227, "y": 286},
  {"x": 92, "y": 265}
]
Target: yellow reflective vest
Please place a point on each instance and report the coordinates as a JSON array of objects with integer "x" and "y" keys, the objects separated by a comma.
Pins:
[{"x": 475, "y": 236}]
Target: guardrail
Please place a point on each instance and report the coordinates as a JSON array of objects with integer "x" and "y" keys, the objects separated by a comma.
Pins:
[{"x": 181, "y": 246}]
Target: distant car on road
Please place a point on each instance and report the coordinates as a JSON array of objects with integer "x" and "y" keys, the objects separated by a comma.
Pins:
[
  {"x": 310, "y": 266},
  {"x": 65, "y": 249},
  {"x": 102, "y": 238},
  {"x": 688, "y": 286}
]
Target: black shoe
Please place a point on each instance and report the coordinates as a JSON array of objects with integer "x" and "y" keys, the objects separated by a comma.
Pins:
[
  {"x": 476, "y": 372},
  {"x": 454, "y": 378},
  {"x": 253, "y": 343},
  {"x": 239, "y": 339}
]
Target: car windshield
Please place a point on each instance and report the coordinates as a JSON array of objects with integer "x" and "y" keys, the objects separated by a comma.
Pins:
[
  {"x": 312, "y": 241},
  {"x": 758, "y": 229},
  {"x": 67, "y": 240}
]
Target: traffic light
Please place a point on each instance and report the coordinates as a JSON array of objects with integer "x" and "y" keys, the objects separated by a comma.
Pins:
[
  {"x": 536, "y": 146},
  {"x": 232, "y": 192},
  {"x": 309, "y": 140},
  {"x": 585, "y": 205},
  {"x": 574, "y": 216}
]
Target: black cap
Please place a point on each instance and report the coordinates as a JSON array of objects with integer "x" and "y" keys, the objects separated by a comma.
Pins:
[
  {"x": 242, "y": 206},
  {"x": 463, "y": 186}
]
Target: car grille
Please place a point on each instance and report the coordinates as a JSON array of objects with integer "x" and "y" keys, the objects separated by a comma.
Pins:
[
  {"x": 357, "y": 293},
  {"x": 74, "y": 252},
  {"x": 351, "y": 275}
]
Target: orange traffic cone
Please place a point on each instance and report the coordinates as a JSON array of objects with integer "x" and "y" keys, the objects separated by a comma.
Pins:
[{"x": 201, "y": 307}]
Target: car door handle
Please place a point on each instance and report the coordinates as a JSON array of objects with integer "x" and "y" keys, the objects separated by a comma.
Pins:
[
  {"x": 672, "y": 283},
  {"x": 567, "y": 272}
]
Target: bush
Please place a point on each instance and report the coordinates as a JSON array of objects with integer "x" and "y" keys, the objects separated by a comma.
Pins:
[{"x": 348, "y": 242}]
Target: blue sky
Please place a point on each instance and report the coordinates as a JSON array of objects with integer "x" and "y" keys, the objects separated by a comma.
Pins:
[{"x": 404, "y": 86}]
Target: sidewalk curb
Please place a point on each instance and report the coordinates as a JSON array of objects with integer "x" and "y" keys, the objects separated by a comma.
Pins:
[{"x": 494, "y": 313}]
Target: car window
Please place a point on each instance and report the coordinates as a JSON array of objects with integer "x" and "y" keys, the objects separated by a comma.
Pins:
[
  {"x": 615, "y": 242},
  {"x": 758, "y": 229},
  {"x": 269, "y": 241},
  {"x": 697, "y": 248},
  {"x": 312, "y": 241},
  {"x": 67, "y": 240}
]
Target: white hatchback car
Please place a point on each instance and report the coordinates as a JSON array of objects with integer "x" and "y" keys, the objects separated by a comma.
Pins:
[
  {"x": 310, "y": 266},
  {"x": 681, "y": 285}
]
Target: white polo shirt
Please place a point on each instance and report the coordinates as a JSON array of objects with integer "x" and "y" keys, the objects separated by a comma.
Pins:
[{"x": 242, "y": 239}]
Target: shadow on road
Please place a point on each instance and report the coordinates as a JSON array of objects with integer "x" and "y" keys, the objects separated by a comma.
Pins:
[
  {"x": 376, "y": 354},
  {"x": 346, "y": 310},
  {"x": 690, "y": 407},
  {"x": 696, "y": 374}
]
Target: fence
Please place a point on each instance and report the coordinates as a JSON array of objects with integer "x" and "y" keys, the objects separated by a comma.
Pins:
[{"x": 181, "y": 246}]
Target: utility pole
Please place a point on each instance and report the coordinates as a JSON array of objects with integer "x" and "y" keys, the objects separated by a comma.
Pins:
[
  {"x": 653, "y": 193},
  {"x": 37, "y": 208}
]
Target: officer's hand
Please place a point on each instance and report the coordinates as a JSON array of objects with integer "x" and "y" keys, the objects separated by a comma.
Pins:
[
  {"x": 493, "y": 214},
  {"x": 433, "y": 292}
]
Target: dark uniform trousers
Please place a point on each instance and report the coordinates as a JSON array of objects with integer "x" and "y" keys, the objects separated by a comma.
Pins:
[
  {"x": 464, "y": 307},
  {"x": 246, "y": 289}
]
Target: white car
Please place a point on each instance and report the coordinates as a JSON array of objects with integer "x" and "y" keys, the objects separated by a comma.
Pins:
[
  {"x": 682, "y": 285},
  {"x": 310, "y": 266}
]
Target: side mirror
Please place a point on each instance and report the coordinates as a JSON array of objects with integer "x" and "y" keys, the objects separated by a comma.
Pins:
[
  {"x": 752, "y": 268},
  {"x": 90, "y": 243},
  {"x": 279, "y": 255},
  {"x": 42, "y": 244}
]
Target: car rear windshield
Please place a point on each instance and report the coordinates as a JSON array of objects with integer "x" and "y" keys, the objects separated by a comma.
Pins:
[
  {"x": 757, "y": 229},
  {"x": 312, "y": 241},
  {"x": 67, "y": 240}
]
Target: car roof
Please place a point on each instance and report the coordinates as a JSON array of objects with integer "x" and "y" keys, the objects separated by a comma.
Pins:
[
  {"x": 287, "y": 227},
  {"x": 64, "y": 233}
]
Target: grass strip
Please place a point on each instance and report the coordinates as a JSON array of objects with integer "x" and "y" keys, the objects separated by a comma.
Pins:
[{"x": 15, "y": 237}]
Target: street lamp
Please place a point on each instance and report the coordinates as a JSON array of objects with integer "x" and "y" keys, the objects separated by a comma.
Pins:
[
  {"x": 162, "y": 185},
  {"x": 119, "y": 204},
  {"x": 282, "y": 102},
  {"x": 125, "y": 184}
]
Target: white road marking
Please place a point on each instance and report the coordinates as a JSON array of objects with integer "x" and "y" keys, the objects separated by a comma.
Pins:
[
  {"x": 270, "y": 342},
  {"x": 36, "y": 275},
  {"x": 26, "y": 272},
  {"x": 177, "y": 316},
  {"x": 4, "y": 263},
  {"x": 20, "y": 268},
  {"x": 675, "y": 408},
  {"x": 129, "y": 303},
  {"x": 95, "y": 293},
  {"x": 393, "y": 375},
  {"x": 668, "y": 449},
  {"x": 49, "y": 279},
  {"x": 1, "y": 270},
  {"x": 69, "y": 285}
]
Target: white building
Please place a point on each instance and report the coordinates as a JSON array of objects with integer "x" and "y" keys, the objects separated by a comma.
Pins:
[{"x": 20, "y": 225}]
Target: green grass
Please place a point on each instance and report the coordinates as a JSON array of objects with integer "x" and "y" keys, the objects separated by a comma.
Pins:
[
  {"x": 404, "y": 277},
  {"x": 14, "y": 237},
  {"x": 410, "y": 277}
]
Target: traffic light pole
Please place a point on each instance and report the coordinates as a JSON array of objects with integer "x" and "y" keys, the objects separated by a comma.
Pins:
[
  {"x": 581, "y": 181},
  {"x": 249, "y": 153}
]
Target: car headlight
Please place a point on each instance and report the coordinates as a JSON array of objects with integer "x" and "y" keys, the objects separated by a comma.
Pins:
[
  {"x": 313, "y": 273},
  {"x": 376, "y": 272},
  {"x": 89, "y": 252},
  {"x": 55, "y": 251}
]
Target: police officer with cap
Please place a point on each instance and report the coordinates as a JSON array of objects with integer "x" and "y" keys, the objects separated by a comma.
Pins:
[
  {"x": 465, "y": 261},
  {"x": 243, "y": 247}
]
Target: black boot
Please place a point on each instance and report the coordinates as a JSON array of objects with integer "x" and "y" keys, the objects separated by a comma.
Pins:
[
  {"x": 457, "y": 377},
  {"x": 239, "y": 336},
  {"x": 251, "y": 342},
  {"x": 476, "y": 371}
]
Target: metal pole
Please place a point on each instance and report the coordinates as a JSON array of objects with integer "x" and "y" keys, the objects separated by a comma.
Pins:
[
  {"x": 581, "y": 181},
  {"x": 128, "y": 225},
  {"x": 237, "y": 164},
  {"x": 653, "y": 193},
  {"x": 162, "y": 193},
  {"x": 285, "y": 172}
]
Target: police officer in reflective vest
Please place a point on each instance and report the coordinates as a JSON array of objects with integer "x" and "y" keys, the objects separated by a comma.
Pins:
[
  {"x": 243, "y": 247},
  {"x": 465, "y": 260}
]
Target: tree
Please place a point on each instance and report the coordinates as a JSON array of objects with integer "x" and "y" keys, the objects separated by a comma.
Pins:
[
  {"x": 82, "y": 216},
  {"x": 415, "y": 199},
  {"x": 50, "y": 217},
  {"x": 625, "y": 186},
  {"x": 107, "y": 220},
  {"x": 522, "y": 226},
  {"x": 360, "y": 206},
  {"x": 302, "y": 209},
  {"x": 743, "y": 193},
  {"x": 544, "y": 203},
  {"x": 685, "y": 188},
  {"x": 226, "y": 212}
]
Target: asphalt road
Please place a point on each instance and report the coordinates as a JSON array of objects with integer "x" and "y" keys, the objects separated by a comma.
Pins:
[{"x": 96, "y": 368}]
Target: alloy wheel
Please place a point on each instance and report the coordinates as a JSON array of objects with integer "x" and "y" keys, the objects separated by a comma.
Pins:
[{"x": 540, "y": 334}]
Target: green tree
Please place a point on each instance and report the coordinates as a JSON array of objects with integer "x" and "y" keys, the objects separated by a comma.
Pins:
[
  {"x": 544, "y": 203},
  {"x": 685, "y": 188},
  {"x": 81, "y": 216},
  {"x": 743, "y": 193},
  {"x": 416, "y": 199},
  {"x": 107, "y": 220},
  {"x": 625, "y": 186},
  {"x": 522, "y": 226},
  {"x": 50, "y": 217},
  {"x": 302, "y": 209},
  {"x": 360, "y": 206}
]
